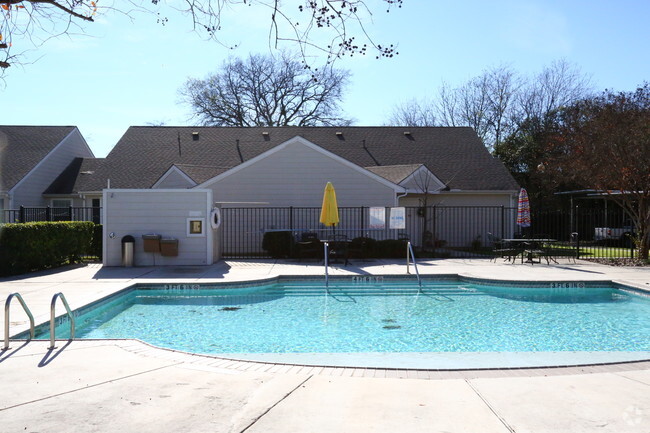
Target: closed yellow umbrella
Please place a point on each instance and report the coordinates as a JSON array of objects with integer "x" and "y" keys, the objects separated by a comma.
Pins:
[{"x": 329, "y": 214}]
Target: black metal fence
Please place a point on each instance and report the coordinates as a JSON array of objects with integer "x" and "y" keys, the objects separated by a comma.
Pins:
[
  {"x": 34, "y": 214},
  {"x": 437, "y": 231}
]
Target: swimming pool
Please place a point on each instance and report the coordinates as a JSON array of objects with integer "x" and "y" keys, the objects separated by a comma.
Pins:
[{"x": 292, "y": 320}]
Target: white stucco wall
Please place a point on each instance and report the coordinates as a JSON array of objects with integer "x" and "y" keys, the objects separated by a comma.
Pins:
[
  {"x": 296, "y": 176},
  {"x": 29, "y": 191},
  {"x": 161, "y": 211}
]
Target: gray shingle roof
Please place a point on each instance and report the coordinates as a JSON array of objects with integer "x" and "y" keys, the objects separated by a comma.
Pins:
[
  {"x": 23, "y": 147},
  {"x": 394, "y": 173},
  {"x": 201, "y": 173},
  {"x": 77, "y": 176},
  {"x": 455, "y": 155}
]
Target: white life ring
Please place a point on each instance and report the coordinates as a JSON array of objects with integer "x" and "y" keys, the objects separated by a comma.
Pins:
[{"x": 215, "y": 218}]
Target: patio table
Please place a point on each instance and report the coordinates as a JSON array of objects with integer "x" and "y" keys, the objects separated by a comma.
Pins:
[{"x": 531, "y": 245}]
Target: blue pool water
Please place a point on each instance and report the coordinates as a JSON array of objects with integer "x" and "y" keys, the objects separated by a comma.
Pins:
[{"x": 302, "y": 317}]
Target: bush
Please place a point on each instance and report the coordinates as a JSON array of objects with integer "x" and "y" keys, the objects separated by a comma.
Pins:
[
  {"x": 96, "y": 242},
  {"x": 42, "y": 245},
  {"x": 278, "y": 244},
  {"x": 391, "y": 248},
  {"x": 363, "y": 247}
]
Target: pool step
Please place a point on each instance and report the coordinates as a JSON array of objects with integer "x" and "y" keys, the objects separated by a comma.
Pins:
[{"x": 370, "y": 290}]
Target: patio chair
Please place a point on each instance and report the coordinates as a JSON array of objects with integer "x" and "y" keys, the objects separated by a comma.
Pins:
[
  {"x": 361, "y": 247},
  {"x": 309, "y": 246},
  {"x": 339, "y": 248},
  {"x": 501, "y": 249}
]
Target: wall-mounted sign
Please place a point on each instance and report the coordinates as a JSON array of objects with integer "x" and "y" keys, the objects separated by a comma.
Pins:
[
  {"x": 196, "y": 227},
  {"x": 397, "y": 218},
  {"x": 377, "y": 218}
]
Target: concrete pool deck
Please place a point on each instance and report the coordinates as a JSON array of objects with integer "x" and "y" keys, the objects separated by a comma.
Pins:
[{"x": 123, "y": 385}]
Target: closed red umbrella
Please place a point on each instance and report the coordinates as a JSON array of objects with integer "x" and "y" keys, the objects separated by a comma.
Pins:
[{"x": 523, "y": 209}]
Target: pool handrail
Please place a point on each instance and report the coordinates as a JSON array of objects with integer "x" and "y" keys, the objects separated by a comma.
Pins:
[
  {"x": 410, "y": 254},
  {"x": 326, "y": 255},
  {"x": 7, "y": 322},
  {"x": 53, "y": 317}
]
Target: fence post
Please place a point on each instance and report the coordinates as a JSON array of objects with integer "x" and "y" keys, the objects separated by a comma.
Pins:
[
  {"x": 434, "y": 237},
  {"x": 22, "y": 214},
  {"x": 361, "y": 225},
  {"x": 70, "y": 213},
  {"x": 291, "y": 218},
  {"x": 503, "y": 222},
  {"x": 48, "y": 214}
]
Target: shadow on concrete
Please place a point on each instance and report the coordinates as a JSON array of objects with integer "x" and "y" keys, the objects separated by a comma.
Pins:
[
  {"x": 569, "y": 268},
  {"x": 44, "y": 273},
  {"x": 11, "y": 352},
  {"x": 50, "y": 355}
]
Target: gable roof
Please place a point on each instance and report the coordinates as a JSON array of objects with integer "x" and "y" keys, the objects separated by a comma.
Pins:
[
  {"x": 455, "y": 155},
  {"x": 22, "y": 148},
  {"x": 77, "y": 176},
  {"x": 201, "y": 173},
  {"x": 416, "y": 177},
  {"x": 394, "y": 173},
  {"x": 308, "y": 144}
]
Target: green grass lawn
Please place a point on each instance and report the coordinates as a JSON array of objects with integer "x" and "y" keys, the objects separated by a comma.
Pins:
[
  {"x": 603, "y": 252},
  {"x": 607, "y": 252}
]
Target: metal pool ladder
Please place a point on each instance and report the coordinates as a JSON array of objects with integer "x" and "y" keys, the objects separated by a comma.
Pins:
[
  {"x": 53, "y": 316},
  {"x": 411, "y": 255},
  {"x": 29, "y": 314}
]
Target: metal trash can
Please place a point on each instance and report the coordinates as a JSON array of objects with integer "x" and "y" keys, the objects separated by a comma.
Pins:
[{"x": 128, "y": 243}]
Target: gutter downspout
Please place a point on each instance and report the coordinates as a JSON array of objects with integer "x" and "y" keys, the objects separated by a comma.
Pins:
[{"x": 406, "y": 192}]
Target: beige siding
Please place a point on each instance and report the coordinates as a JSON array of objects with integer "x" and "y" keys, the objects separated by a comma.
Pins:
[
  {"x": 296, "y": 176},
  {"x": 164, "y": 212},
  {"x": 28, "y": 192},
  {"x": 174, "y": 180},
  {"x": 462, "y": 218},
  {"x": 459, "y": 199}
]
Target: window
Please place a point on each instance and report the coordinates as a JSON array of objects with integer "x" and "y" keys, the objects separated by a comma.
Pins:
[{"x": 61, "y": 202}]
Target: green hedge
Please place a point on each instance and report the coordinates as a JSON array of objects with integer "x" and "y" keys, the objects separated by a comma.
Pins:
[
  {"x": 96, "y": 243},
  {"x": 42, "y": 245}
]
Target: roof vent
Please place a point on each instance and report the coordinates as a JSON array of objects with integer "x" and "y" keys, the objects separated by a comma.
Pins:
[
  {"x": 195, "y": 136},
  {"x": 87, "y": 172},
  {"x": 339, "y": 135},
  {"x": 407, "y": 133},
  {"x": 265, "y": 134}
]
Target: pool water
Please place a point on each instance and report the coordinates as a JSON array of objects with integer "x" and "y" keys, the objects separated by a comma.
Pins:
[{"x": 389, "y": 317}]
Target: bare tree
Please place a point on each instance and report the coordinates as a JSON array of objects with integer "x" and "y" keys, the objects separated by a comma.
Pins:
[
  {"x": 498, "y": 101},
  {"x": 558, "y": 85},
  {"x": 413, "y": 113},
  {"x": 334, "y": 28},
  {"x": 484, "y": 103},
  {"x": 267, "y": 91}
]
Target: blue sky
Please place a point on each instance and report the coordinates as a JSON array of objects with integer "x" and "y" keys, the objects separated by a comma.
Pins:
[{"x": 127, "y": 72}]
